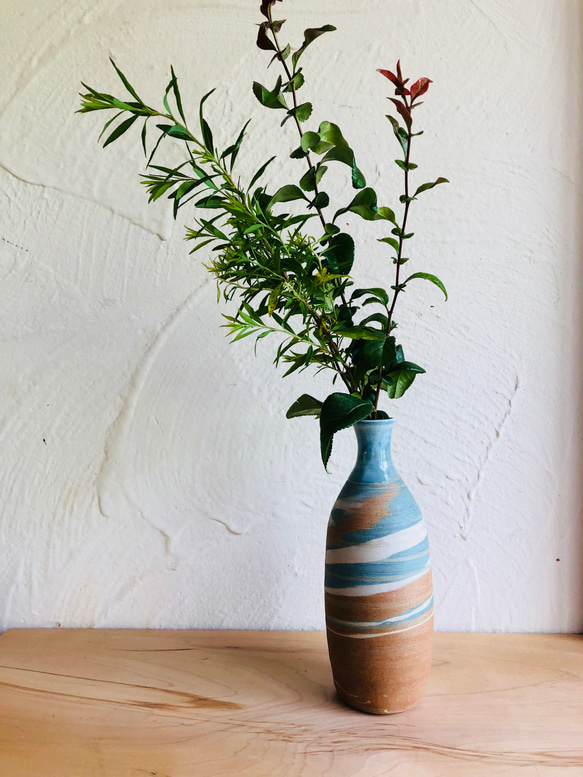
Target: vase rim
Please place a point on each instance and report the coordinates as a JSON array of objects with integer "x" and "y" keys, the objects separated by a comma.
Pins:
[{"x": 368, "y": 421}]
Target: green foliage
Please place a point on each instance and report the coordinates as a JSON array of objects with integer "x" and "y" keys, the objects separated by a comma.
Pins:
[{"x": 283, "y": 280}]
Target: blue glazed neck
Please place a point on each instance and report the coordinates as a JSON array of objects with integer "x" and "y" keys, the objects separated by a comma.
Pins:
[{"x": 374, "y": 463}]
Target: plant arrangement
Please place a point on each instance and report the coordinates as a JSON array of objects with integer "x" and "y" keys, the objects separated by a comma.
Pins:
[{"x": 284, "y": 279}]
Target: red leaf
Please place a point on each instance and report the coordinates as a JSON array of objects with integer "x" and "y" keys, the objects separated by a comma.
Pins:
[
  {"x": 403, "y": 110},
  {"x": 387, "y": 74},
  {"x": 265, "y": 6},
  {"x": 420, "y": 87},
  {"x": 263, "y": 42}
]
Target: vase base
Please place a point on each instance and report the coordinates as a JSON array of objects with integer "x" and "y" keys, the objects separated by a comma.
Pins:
[
  {"x": 384, "y": 675},
  {"x": 373, "y": 710}
]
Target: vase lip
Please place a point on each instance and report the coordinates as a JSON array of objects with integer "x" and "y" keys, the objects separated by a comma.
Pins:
[{"x": 368, "y": 421}]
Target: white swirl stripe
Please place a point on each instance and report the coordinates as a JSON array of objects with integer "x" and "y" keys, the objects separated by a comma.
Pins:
[{"x": 379, "y": 548}]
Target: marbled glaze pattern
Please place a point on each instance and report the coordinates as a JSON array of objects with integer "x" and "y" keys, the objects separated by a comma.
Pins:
[{"x": 379, "y": 594}]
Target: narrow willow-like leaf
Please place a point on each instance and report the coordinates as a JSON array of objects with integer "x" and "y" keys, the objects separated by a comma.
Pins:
[
  {"x": 119, "y": 130},
  {"x": 274, "y": 298},
  {"x": 260, "y": 172},
  {"x": 125, "y": 82},
  {"x": 179, "y": 132},
  {"x": 207, "y": 135},
  {"x": 177, "y": 96},
  {"x": 361, "y": 333}
]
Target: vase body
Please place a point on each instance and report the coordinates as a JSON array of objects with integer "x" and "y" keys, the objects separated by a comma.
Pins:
[{"x": 378, "y": 586}]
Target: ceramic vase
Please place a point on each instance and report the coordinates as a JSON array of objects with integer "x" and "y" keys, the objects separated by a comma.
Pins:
[{"x": 378, "y": 586}]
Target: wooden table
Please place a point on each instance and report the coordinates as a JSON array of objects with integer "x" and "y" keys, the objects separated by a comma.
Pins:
[{"x": 89, "y": 703}]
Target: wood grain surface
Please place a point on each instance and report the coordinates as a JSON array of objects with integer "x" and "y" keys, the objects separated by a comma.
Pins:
[{"x": 91, "y": 703}]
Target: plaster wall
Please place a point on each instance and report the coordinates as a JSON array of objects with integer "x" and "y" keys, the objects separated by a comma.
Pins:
[{"x": 148, "y": 476}]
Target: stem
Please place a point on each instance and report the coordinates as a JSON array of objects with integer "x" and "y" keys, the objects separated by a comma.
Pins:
[
  {"x": 399, "y": 252},
  {"x": 290, "y": 78}
]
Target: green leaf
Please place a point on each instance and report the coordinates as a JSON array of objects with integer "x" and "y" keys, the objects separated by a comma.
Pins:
[
  {"x": 338, "y": 412},
  {"x": 390, "y": 241},
  {"x": 390, "y": 355},
  {"x": 305, "y": 405},
  {"x": 309, "y": 36},
  {"x": 274, "y": 298},
  {"x": 386, "y": 214},
  {"x": 184, "y": 188},
  {"x": 400, "y": 133},
  {"x": 207, "y": 135},
  {"x": 312, "y": 178},
  {"x": 302, "y": 112},
  {"x": 409, "y": 366},
  {"x": 376, "y": 291},
  {"x": 309, "y": 141},
  {"x": 119, "y": 130},
  {"x": 330, "y": 133},
  {"x": 358, "y": 179},
  {"x": 361, "y": 333},
  {"x": 322, "y": 200},
  {"x": 364, "y": 204},
  {"x": 144, "y": 137},
  {"x": 260, "y": 172},
  {"x": 428, "y": 277},
  {"x": 378, "y": 318},
  {"x": 233, "y": 150},
  {"x": 367, "y": 354},
  {"x": 125, "y": 82},
  {"x": 339, "y": 254},
  {"x": 177, "y": 96},
  {"x": 405, "y": 165},
  {"x": 342, "y": 154},
  {"x": 211, "y": 201},
  {"x": 298, "y": 153},
  {"x": 273, "y": 99},
  {"x": 296, "y": 82},
  {"x": 425, "y": 186},
  {"x": 400, "y": 380},
  {"x": 287, "y": 194},
  {"x": 179, "y": 132}
]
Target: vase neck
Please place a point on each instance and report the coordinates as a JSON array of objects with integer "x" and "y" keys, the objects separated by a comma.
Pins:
[{"x": 374, "y": 463}]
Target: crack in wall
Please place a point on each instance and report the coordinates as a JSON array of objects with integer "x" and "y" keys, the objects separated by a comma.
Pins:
[
  {"x": 465, "y": 524},
  {"x": 109, "y": 481},
  {"x": 78, "y": 197}
]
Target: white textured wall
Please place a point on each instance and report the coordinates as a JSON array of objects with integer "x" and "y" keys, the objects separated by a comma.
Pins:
[{"x": 148, "y": 475}]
